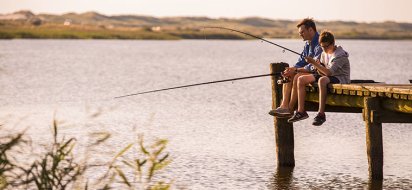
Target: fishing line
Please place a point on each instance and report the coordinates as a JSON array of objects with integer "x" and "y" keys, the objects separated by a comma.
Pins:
[
  {"x": 251, "y": 35},
  {"x": 198, "y": 84}
]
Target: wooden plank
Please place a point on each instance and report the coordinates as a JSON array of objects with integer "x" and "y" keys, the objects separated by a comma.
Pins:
[
  {"x": 314, "y": 106},
  {"x": 377, "y": 87},
  {"x": 402, "y": 90},
  {"x": 396, "y": 96},
  {"x": 337, "y": 100},
  {"x": 370, "y": 89},
  {"x": 346, "y": 91},
  {"x": 384, "y": 116},
  {"x": 343, "y": 87},
  {"x": 397, "y": 105},
  {"x": 388, "y": 94},
  {"x": 404, "y": 96}
]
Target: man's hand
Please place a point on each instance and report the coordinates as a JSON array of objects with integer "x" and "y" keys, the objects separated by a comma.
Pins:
[{"x": 289, "y": 72}]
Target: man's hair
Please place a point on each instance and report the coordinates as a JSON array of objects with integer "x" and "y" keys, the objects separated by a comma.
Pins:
[
  {"x": 326, "y": 37},
  {"x": 308, "y": 22}
]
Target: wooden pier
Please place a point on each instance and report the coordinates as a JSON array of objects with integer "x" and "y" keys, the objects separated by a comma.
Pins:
[{"x": 378, "y": 102}]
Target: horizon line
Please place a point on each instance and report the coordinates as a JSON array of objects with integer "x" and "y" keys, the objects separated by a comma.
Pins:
[{"x": 197, "y": 16}]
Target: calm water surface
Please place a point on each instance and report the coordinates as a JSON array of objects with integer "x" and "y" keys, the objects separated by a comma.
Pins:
[{"x": 221, "y": 136}]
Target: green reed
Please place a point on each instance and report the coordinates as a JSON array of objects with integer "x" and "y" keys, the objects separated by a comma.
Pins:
[
  {"x": 8, "y": 146},
  {"x": 145, "y": 163},
  {"x": 60, "y": 168},
  {"x": 56, "y": 169}
]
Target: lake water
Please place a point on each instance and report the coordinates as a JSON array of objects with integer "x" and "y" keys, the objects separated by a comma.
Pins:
[{"x": 220, "y": 135}]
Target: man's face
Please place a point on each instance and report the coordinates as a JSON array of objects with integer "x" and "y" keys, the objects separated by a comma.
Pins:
[{"x": 304, "y": 33}]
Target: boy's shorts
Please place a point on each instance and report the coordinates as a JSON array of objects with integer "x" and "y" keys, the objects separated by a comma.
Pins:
[{"x": 332, "y": 79}]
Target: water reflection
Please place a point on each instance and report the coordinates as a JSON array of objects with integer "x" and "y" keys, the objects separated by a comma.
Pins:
[
  {"x": 282, "y": 179},
  {"x": 288, "y": 178},
  {"x": 375, "y": 184}
]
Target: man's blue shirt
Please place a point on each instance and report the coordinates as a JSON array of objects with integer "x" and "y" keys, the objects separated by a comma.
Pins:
[{"x": 311, "y": 49}]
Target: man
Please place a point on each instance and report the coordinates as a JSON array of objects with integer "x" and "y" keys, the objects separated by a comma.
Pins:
[{"x": 307, "y": 30}]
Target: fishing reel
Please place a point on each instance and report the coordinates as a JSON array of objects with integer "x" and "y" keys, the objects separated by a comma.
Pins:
[{"x": 283, "y": 80}]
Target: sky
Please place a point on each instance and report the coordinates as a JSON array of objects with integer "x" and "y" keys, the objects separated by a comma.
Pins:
[{"x": 321, "y": 10}]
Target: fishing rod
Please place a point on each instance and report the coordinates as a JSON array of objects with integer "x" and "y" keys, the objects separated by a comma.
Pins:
[
  {"x": 219, "y": 81},
  {"x": 198, "y": 84},
  {"x": 217, "y": 27}
]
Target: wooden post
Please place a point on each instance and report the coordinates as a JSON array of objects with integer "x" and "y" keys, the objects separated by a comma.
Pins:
[
  {"x": 283, "y": 130},
  {"x": 373, "y": 138},
  {"x": 375, "y": 184}
]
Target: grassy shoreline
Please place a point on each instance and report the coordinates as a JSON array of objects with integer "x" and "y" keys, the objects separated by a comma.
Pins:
[
  {"x": 143, "y": 33},
  {"x": 92, "y": 25}
]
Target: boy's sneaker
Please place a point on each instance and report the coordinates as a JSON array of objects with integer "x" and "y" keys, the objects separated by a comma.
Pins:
[
  {"x": 280, "y": 112},
  {"x": 298, "y": 116},
  {"x": 319, "y": 119}
]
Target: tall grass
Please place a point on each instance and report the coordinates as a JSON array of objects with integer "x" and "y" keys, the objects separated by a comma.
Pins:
[
  {"x": 57, "y": 168},
  {"x": 144, "y": 165},
  {"x": 9, "y": 146},
  {"x": 60, "y": 168}
]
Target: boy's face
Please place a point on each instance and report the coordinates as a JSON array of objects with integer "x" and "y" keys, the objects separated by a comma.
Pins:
[{"x": 326, "y": 47}]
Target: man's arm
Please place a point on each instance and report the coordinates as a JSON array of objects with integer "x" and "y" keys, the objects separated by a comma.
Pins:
[{"x": 301, "y": 60}]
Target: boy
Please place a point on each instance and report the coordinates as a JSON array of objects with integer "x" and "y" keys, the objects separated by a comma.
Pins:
[{"x": 336, "y": 69}]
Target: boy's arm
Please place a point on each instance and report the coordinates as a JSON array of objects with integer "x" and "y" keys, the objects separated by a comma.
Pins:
[
  {"x": 317, "y": 64},
  {"x": 337, "y": 64}
]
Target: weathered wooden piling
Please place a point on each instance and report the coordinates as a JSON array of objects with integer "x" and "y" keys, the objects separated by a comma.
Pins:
[
  {"x": 379, "y": 103},
  {"x": 283, "y": 130},
  {"x": 374, "y": 143}
]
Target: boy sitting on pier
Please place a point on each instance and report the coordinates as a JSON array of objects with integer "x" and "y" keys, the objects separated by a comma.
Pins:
[{"x": 333, "y": 67}]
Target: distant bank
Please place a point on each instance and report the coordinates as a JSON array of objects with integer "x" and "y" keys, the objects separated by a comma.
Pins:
[{"x": 92, "y": 25}]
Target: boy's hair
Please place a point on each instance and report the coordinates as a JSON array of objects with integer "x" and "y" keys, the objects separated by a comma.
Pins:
[
  {"x": 326, "y": 37},
  {"x": 308, "y": 22}
]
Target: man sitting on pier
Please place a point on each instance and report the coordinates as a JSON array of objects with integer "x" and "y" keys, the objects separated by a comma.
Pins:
[
  {"x": 333, "y": 67},
  {"x": 307, "y": 30}
]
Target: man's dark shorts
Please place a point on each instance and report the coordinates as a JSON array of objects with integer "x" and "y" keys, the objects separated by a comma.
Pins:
[{"x": 332, "y": 79}]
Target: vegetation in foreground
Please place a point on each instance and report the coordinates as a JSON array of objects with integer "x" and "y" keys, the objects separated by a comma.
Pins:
[
  {"x": 92, "y": 25},
  {"x": 58, "y": 167}
]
